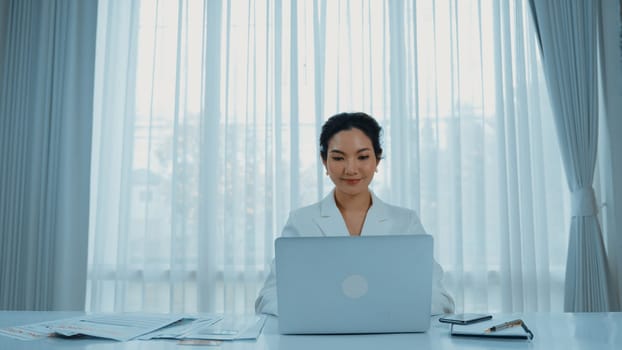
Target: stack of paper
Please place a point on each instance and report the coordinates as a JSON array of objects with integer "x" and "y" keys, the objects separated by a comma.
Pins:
[
  {"x": 124, "y": 327},
  {"x": 227, "y": 327}
]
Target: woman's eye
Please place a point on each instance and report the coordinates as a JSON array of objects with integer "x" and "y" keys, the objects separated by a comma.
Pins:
[
  {"x": 337, "y": 158},
  {"x": 363, "y": 157}
]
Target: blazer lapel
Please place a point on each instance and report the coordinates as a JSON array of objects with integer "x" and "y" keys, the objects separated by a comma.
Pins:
[
  {"x": 377, "y": 220},
  {"x": 330, "y": 220}
]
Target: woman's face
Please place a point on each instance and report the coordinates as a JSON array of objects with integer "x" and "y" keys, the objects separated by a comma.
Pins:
[{"x": 351, "y": 161}]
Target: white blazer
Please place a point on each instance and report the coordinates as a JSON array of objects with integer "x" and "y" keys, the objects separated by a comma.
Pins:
[{"x": 324, "y": 219}]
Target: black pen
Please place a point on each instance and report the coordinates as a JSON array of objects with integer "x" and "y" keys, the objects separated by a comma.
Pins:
[{"x": 504, "y": 326}]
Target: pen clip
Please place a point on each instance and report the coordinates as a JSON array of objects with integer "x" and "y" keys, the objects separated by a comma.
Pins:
[{"x": 527, "y": 330}]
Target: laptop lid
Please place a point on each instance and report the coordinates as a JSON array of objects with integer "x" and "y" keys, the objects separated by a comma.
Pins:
[{"x": 368, "y": 284}]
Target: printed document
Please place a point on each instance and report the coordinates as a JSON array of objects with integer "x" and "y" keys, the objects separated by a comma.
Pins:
[
  {"x": 124, "y": 327},
  {"x": 121, "y": 327}
]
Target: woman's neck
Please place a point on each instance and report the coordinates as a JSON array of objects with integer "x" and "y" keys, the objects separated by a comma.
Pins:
[{"x": 359, "y": 202}]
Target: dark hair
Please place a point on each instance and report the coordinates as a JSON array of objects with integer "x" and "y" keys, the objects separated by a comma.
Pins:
[{"x": 347, "y": 121}]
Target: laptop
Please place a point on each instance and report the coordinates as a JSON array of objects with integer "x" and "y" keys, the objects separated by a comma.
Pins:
[{"x": 347, "y": 285}]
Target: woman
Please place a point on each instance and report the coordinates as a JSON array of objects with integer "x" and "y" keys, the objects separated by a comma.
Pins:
[{"x": 350, "y": 150}]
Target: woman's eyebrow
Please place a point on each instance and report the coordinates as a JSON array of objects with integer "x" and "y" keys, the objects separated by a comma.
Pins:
[{"x": 342, "y": 152}]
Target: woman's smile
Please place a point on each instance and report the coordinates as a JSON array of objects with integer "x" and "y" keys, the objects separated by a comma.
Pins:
[{"x": 352, "y": 182}]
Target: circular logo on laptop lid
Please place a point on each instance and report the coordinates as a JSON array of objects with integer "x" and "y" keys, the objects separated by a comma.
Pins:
[{"x": 354, "y": 286}]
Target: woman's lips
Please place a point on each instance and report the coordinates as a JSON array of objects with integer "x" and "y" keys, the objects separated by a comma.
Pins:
[{"x": 352, "y": 181}]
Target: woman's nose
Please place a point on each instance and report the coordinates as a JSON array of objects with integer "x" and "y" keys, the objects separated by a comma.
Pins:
[{"x": 350, "y": 167}]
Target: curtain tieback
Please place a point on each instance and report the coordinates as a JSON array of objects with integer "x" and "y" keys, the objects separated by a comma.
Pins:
[{"x": 584, "y": 202}]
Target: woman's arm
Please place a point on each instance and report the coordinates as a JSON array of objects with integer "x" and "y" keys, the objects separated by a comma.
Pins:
[
  {"x": 266, "y": 301},
  {"x": 442, "y": 302}
]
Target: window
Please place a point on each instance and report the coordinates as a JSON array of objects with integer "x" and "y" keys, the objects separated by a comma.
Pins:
[{"x": 207, "y": 119}]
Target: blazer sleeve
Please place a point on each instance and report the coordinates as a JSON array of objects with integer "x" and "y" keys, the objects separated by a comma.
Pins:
[
  {"x": 266, "y": 300},
  {"x": 442, "y": 302}
]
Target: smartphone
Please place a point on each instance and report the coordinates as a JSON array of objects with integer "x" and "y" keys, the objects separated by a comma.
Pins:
[{"x": 465, "y": 318}]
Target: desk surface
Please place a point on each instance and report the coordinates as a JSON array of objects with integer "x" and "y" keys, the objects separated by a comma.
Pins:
[{"x": 552, "y": 331}]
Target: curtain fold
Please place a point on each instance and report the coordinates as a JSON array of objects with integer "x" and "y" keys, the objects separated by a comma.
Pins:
[
  {"x": 568, "y": 38},
  {"x": 209, "y": 172},
  {"x": 206, "y": 123},
  {"x": 45, "y": 127},
  {"x": 4, "y": 20}
]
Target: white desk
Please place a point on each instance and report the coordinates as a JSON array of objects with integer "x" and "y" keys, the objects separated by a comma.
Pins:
[{"x": 564, "y": 331}]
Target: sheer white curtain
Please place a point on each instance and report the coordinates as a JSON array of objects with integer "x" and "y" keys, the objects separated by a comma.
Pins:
[{"x": 206, "y": 124}]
